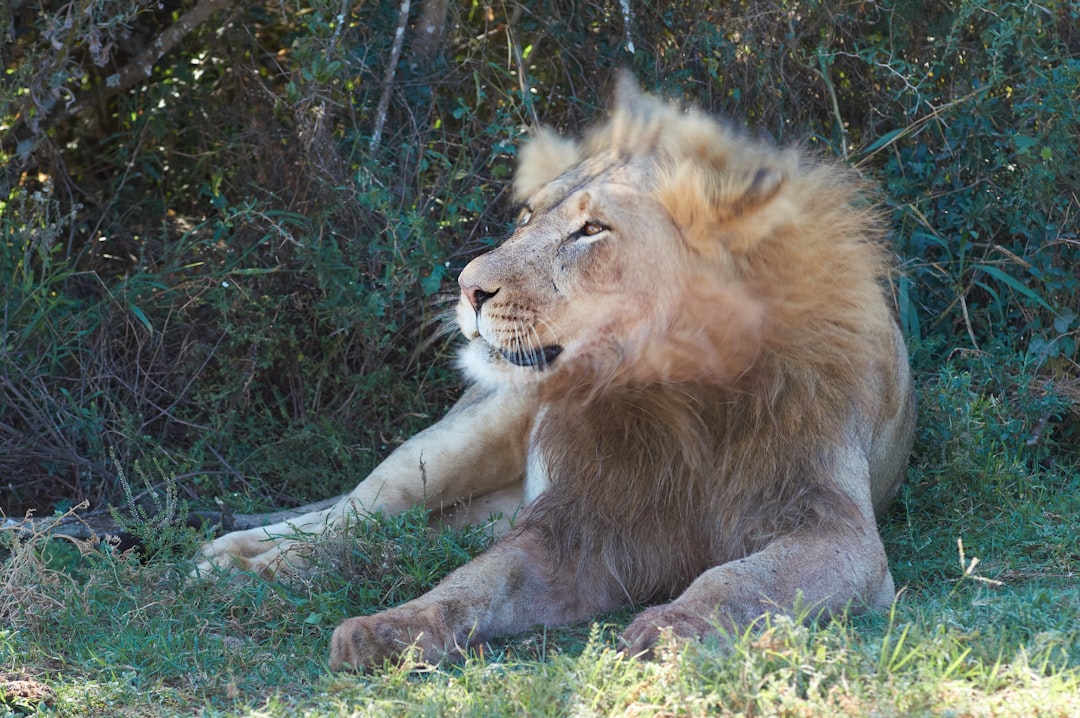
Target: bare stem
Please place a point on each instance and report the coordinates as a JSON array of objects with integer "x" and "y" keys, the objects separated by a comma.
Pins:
[{"x": 388, "y": 78}]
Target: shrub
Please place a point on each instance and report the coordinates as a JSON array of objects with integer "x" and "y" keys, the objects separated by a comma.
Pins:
[{"x": 214, "y": 260}]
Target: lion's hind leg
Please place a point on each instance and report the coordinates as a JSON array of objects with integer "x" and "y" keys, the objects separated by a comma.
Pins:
[
  {"x": 825, "y": 570},
  {"x": 468, "y": 466}
]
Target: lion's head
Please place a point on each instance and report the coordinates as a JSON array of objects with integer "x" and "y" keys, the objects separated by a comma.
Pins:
[{"x": 668, "y": 247}]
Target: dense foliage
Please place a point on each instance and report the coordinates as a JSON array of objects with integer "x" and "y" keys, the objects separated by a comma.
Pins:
[{"x": 216, "y": 246}]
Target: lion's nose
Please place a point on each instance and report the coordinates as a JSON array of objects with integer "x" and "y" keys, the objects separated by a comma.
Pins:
[{"x": 477, "y": 296}]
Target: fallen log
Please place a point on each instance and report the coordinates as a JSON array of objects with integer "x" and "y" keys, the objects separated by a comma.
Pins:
[{"x": 102, "y": 523}]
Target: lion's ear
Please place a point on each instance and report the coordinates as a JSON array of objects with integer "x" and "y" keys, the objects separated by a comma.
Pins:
[
  {"x": 733, "y": 205},
  {"x": 629, "y": 98},
  {"x": 758, "y": 187},
  {"x": 542, "y": 158}
]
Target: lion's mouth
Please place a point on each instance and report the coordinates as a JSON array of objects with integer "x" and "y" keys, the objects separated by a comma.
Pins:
[{"x": 538, "y": 359}]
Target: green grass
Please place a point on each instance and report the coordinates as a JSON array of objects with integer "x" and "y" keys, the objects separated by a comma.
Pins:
[
  {"x": 216, "y": 271},
  {"x": 927, "y": 660},
  {"x": 105, "y": 634}
]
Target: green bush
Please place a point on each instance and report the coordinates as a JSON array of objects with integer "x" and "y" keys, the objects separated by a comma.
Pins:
[{"x": 215, "y": 263}]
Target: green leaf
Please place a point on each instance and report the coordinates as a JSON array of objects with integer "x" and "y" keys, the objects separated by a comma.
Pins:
[
  {"x": 433, "y": 282},
  {"x": 1024, "y": 143},
  {"x": 141, "y": 316},
  {"x": 1062, "y": 323},
  {"x": 1015, "y": 284},
  {"x": 884, "y": 140}
]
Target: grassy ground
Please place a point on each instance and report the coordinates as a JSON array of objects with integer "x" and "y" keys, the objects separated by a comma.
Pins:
[
  {"x": 219, "y": 269},
  {"x": 983, "y": 540}
]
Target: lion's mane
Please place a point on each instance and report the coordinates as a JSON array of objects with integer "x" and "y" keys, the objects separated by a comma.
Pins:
[{"x": 720, "y": 454}]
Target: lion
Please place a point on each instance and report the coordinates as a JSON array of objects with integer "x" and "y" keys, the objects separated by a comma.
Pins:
[{"x": 688, "y": 391}]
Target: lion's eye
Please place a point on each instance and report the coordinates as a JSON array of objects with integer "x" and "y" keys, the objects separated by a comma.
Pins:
[{"x": 590, "y": 229}]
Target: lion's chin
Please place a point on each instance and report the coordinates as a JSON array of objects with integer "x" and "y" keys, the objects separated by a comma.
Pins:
[{"x": 493, "y": 366}]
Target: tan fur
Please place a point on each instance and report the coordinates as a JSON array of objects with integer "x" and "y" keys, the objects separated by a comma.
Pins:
[{"x": 716, "y": 399}]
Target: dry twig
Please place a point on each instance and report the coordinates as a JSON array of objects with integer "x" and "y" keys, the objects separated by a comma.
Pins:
[{"x": 388, "y": 78}]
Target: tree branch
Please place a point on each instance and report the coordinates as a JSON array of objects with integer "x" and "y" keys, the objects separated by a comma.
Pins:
[
  {"x": 429, "y": 31},
  {"x": 139, "y": 69},
  {"x": 388, "y": 78}
]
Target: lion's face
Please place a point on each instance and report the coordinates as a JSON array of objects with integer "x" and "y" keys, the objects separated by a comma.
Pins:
[
  {"x": 593, "y": 286},
  {"x": 592, "y": 260}
]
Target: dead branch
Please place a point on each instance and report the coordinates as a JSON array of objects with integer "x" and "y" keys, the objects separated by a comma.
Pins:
[
  {"x": 139, "y": 69},
  {"x": 102, "y": 522},
  {"x": 388, "y": 78}
]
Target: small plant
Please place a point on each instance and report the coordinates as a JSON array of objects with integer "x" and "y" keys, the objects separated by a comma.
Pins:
[
  {"x": 162, "y": 533},
  {"x": 379, "y": 562}
]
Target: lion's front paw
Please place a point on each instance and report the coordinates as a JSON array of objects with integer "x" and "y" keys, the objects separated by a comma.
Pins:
[
  {"x": 369, "y": 641},
  {"x": 662, "y": 622}
]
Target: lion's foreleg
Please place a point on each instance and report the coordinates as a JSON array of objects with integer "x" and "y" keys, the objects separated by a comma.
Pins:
[{"x": 505, "y": 591}]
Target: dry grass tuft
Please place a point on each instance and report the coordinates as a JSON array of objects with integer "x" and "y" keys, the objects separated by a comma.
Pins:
[{"x": 30, "y": 591}]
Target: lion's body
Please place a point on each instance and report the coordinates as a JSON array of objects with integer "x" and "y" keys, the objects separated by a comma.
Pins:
[{"x": 686, "y": 371}]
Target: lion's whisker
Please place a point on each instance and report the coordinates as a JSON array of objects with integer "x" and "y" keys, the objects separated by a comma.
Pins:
[{"x": 538, "y": 356}]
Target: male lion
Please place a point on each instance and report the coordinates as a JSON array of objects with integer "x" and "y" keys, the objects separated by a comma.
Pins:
[{"x": 686, "y": 373}]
